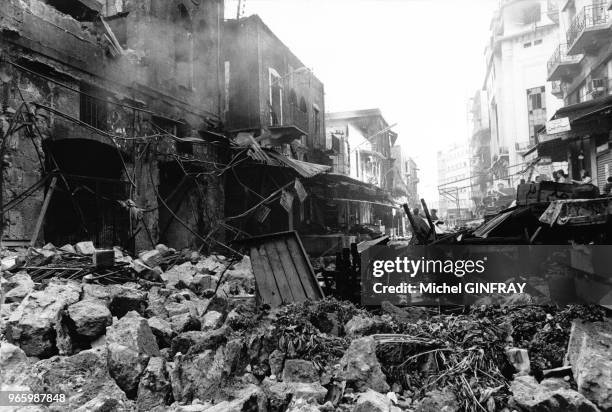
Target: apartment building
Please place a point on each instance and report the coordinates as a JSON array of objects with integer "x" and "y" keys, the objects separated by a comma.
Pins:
[
  {"x": 454, "y": 182},
  {"x": 111, "y": 105},
  {"x": 582, "y": 64},
  {"x": 480, "y": 146},
  {"x": 520, "y": 97}
]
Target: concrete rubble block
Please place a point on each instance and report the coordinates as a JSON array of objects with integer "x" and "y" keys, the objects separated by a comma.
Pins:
[
  {"x": 162, "y": 330},
  {"x": 85, "y": 248},
  {"x": 302, "y": 405},
  {"x": 32, "y": 325},
  {"x": 68, "y": 248},
  {"x": 17, "y": 287},
  {"x": 178, "y": 308},
  {"x": 198, "y": 341},
  {"x": 129, "y": 344},
  {"x": 151, "y": 258},
  {"x": 11, "y": 262},
  {"x": 163, "y": 249},
  {"x": 211, "y": 320},
  {"x": 90, "y": 317},
  {"x": 103, "y": 258},
  {"x": 519, "y": 359},
  {"x": 154, "y": 388},
  {"x": 360, "y": 325},
  {"x": 15, "y": 366},
  {"x": 184, "y": 322},
  {"x": 589, "y": 354},
  {"x": 372, "y": 401},
  {"x": 180, "y": 275},
  {"x": 360, "y": 367},
  {"x": 236, "y": 359},
  {"x": 281, "y": 393},
  {"x": 82, "y": 377},
  {"x": 299, "y": 370},
  {"x": 250, "y": 398},
  {"x": 531, "y": 396},
  {"x": 98, "y": 292},
  {"x": 200, "y": 283},
  {"x": 438, "y": 401},
  {"x": 198, "y": 375},
  {"x": 276, "y": 360},
  {"x": 126, "y": 299}
]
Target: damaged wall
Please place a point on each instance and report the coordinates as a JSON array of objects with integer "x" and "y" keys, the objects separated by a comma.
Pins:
[
  {"x": 79, "y": 92},
  {"x": 252, "y": 49}
]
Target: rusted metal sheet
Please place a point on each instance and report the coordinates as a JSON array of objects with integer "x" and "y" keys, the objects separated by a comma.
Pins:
[{"x": 282, "y": 270}]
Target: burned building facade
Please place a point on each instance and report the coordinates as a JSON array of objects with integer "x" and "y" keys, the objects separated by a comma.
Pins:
[
  {"x": 110, "y": 114},
  {"x": 274, "y": 113}
]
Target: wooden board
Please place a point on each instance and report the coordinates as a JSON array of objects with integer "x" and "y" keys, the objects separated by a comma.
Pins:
[{"x": 282, "y": 269}]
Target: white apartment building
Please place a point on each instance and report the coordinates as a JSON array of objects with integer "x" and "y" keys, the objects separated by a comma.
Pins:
[
  {"x": 523, "y": 35},
  {"x": 454, "y": 182}
]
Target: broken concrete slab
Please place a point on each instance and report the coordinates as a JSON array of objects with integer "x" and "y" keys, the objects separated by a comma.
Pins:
[
  {"x": 197, "y": 375},
  {"x": 82, "y": 377},
  {"x": 360, "y": 367},
  {"x": 90, "y": 317},
  {"x": 589, "y": 355},
  {"x": 211, "y": 320},
  {"x": 154, "y": 388},
  {"x": 15, "y": 366},
  {"x": 531, "y": 396},
  {"x": 85, "y": 248},
  {"x": 32, "y": 325},
  {"x": 17, "y": 287},
  {"x": 198, "y": 341},
  {"x": 372, "y": 401},
  {"x": 519, "y": 359},
  {"x": 299, "y": 370},
  {"x": 162, "y": 330},
  {"x": 129, "y": 343}
]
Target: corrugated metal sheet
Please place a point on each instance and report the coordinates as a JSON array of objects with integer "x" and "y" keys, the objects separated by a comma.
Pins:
[
  {"x": 282, "y": 270},
  {"x": 276, "y": 159}
]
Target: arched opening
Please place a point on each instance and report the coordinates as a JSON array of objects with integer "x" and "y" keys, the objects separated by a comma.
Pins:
[{"x": 87, "y": 207}]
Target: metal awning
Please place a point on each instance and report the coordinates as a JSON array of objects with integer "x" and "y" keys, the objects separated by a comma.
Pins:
[
  {"x": 275, "y": 159},
  {"x": 339, "y": 199}
]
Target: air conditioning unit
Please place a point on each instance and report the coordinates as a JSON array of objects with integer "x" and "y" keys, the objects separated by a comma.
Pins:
[{"x": 598, "y": 86}]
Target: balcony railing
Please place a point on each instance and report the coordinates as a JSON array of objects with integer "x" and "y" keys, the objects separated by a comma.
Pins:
[
  {"x": 296, "y": 117},
  {"x": 589, "y": 16},
  {"x": 560, "y": 56}
]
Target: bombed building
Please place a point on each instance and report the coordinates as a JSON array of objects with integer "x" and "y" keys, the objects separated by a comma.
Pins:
[{"x": 110, "y": 121}]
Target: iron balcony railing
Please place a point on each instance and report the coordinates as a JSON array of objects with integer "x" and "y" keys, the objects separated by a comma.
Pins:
[
  {"x": 560, "y": 56},
  {"x": 589, "y": 16}
]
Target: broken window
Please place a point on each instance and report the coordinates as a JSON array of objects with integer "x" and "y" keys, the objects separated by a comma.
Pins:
[
  {"x": 276, "y": 98},
  {"x": 94, "y": 107}
]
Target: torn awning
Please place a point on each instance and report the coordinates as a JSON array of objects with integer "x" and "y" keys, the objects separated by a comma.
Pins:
[{"x": 273, "y": 158}]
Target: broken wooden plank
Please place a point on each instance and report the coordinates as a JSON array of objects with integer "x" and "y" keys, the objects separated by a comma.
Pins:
[
  {"x": 43, "y": 211},
  {"x": 282, "y": 270}
]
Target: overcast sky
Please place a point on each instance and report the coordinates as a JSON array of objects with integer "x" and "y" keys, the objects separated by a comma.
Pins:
[{"x": 419, "y": 61}]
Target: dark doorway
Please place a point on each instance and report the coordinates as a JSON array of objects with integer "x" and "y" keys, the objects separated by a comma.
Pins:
[{"x": 85, "y": 203}]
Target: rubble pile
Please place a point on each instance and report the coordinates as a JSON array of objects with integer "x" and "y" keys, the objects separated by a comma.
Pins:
[{"x": 193, "y": 339}]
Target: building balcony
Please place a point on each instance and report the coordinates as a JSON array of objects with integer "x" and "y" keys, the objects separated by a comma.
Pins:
[
  {"x": 291, "y": 126},
  {"x": 589, "y": 29},
  {"x": 562, "y": 66}
]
